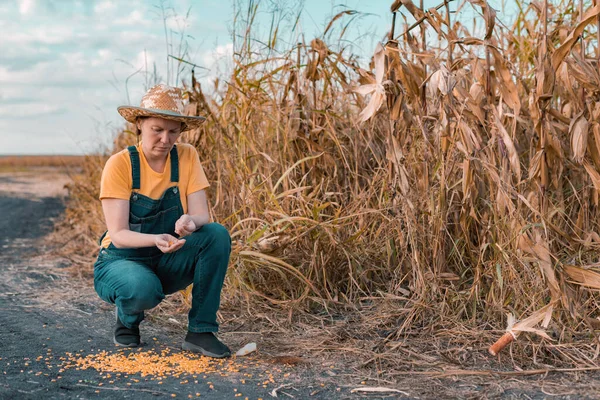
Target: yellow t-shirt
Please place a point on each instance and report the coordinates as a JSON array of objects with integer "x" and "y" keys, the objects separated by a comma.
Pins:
[{"x": 116, "y": 179}]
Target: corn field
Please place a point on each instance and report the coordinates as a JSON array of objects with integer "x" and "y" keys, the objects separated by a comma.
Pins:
[{"x": 457, "y": 176}]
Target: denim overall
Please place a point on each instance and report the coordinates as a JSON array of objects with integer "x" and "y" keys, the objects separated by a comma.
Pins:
[{"x": 138, "y": 279}]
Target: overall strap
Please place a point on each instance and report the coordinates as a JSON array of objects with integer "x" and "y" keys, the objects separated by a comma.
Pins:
[
  {"x": 135, "y": 166},
  {"x": 174, "y": 165}
]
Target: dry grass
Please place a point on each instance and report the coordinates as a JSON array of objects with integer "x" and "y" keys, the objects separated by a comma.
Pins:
[
  {"x": 463, "y": 197},
  {"x": 24, "y": 163}
]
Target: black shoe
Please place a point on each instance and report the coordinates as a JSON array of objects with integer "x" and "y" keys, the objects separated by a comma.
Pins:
[
  {"x": 205, "y": 343},
  {"x": 124, "y": 336}
]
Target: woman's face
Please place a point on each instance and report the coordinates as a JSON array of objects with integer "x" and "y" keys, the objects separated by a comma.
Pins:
[{"x": 158, "y": 136}]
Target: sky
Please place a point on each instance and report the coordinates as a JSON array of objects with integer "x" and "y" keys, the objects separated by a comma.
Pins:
[{"x": 66, "y": 65}]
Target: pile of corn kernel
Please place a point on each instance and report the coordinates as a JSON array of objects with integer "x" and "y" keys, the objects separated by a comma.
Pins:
[
  {"x": 151, "y": 363},
  {"x": 159, "y": 365},
  {"x": 132, "y": 367}
]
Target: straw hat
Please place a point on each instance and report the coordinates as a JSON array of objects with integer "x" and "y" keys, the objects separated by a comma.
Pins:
[{"x": 161, "y": 101}]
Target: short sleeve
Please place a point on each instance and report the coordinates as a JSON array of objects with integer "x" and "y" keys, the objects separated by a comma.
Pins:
[
  {"x": 198, "y": 180},
  {"x": 116, "y": 178}
]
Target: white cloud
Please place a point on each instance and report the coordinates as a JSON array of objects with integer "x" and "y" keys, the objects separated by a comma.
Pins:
[
  {"x": 218, "y": 61},
  {"x": 104, "y": 57},
  {"x": 28, "y": 109},
  {"x": 178, "y": 23},
  {"x": 217, "y": 55},
  {"x": 104, "y": 7},
  {"x": 144, "y": 60},
  {"x": 135, "y": 17},
  {"x": 53, "y": 34},
  {"x": 26, "y": 6}
]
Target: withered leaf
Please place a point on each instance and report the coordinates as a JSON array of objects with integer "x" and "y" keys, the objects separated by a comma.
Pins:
[
  {"x": 579, "y": 137},
  {"x": 506, "y": 85},
  {"x": 513, "y": 156},
  {"x": 559, "y": 55}
]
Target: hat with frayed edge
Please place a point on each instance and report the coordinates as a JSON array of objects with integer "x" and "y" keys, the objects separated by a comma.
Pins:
[{"x": 161, "y": 101}]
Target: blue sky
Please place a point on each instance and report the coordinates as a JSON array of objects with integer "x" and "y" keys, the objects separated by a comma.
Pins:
[{"x": 65, "y": 65}]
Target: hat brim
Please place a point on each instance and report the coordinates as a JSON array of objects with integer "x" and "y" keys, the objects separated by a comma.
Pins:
[{"x": 131, "y": 113}]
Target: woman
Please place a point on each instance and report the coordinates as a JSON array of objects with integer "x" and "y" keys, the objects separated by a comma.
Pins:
[{"x": 159, "y": 239}]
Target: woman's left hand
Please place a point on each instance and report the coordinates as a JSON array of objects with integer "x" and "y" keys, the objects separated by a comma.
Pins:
[{"x": 185, "y": 225}]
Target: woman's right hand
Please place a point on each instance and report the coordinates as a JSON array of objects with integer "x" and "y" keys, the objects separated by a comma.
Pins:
[{"x": 168, "y": 243}]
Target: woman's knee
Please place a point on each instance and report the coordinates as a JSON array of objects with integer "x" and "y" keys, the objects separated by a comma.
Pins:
[
  {"x": 141, "y": 295},
  {"x": 214, "y": 234}
]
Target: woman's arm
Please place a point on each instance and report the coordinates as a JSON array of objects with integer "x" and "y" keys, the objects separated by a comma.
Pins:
[
  {"x": 116, "y": 213},
  {"x": 197, "y": 215}
]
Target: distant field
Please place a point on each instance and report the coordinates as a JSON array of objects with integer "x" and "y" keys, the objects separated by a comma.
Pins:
[{"x": 20, "y": 163}]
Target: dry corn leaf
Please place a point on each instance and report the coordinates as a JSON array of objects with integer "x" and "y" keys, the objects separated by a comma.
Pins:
[
  {"x": 545, "y": 78},
  {"x": 414, "y": 10},
  {"x": 397, "y": 108},
  {"x": 376, "y": 89},
  {"x": 411, "y": 76},
  {"x": 436, "y": 21},
  {"x": 507, "y": 87},
  {"x": 472, "y": 40},
  {"x": 320, "y": 52},
  {"x": 559, "y": 54},
  {"x": 513, "y": 156},
  {"x": 567, "y": 110},
  {"x": 504, "y": 204},
  {"x": 489, "y": 14},
  {"x": 469, "y": 138},
  {"x": 535, "y": 165},
  {"x": 594, "y": 175},
  {"x": 591, "y": 238},
  {"x": 593, "y": 148},
  {"x": 596, "y": 133},
  {"x": 584, "y": 72},
  {"x": 477, "y": 92},
  {"x": 582, "y": 276},
  {"x": 490, "y": 20},
  {"x": 320, "y": 48},
  {"x": 336, "y": 17},
  {"x": 312, "y": 70},
  {"x": 543, "y": 315},
  {"x": 534, "y": 107},
  {"x": 441, "y": 80},
  {"x": 467, "y": 178},
  {"x": 596, "y": 112},
  {"x": 578, "y": 131},
  {"x": 270, "y": 244},
  {"x": 542, "y": 253}
]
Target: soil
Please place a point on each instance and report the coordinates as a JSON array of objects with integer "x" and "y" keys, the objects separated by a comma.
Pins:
[{"x": 48, "y": 318}]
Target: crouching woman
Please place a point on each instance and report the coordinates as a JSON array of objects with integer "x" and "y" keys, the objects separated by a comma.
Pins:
[{"x": 159, "y": 239}]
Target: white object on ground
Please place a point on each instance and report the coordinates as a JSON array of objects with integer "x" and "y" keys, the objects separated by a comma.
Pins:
[
  {"x": 370, "y": 389},
  {"x": 247, "y": 349}
]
